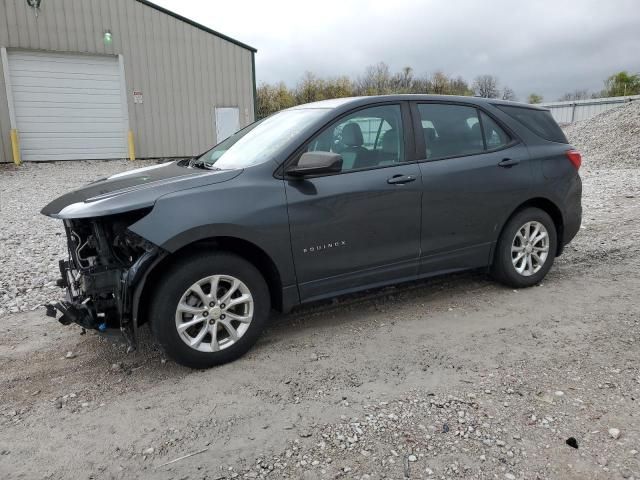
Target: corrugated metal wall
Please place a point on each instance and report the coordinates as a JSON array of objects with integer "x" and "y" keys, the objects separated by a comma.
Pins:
[
  {"x": 182, "y": 71},
  {"x": 575, "y": 111}
]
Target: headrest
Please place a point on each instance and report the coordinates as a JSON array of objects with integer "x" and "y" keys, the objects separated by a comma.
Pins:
[
  {"x": 352, "y": 135},
  {"x": 429, "y": 134},
  {"x": 390, "y": 141}
]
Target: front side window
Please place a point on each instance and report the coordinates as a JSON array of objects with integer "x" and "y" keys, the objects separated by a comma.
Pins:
[
  {"x": 450, "y": 130},
  {"x": 369, "y": 138}
]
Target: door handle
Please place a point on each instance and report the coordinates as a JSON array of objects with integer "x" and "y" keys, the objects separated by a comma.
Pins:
[
  {"x": 401, "y": 179},
  {"x": 508, "y": 163}
]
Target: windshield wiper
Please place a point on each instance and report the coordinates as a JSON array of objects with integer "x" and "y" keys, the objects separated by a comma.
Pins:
[{"x": 199, "y": 163}]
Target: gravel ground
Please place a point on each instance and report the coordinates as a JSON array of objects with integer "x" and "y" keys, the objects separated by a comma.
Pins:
[{"x": 455, "y": 377}]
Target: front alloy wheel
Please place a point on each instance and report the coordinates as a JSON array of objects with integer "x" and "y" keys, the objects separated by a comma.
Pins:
[
  {"x": 214, "y": 313},
  {"x": 209, "y": 308}
]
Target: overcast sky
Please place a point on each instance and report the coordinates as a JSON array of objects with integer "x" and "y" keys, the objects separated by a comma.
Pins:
[{"x": 547, "y": 46}]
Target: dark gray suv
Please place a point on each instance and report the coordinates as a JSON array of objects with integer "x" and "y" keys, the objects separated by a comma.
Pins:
[{"x": 313, "y": 202}]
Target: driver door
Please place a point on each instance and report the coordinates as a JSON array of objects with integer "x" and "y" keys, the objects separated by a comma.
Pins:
[{"x": 359, "y": 227}]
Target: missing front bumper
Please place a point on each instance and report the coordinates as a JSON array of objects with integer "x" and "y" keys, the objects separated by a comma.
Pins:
[{"x": 101, "y": 299}]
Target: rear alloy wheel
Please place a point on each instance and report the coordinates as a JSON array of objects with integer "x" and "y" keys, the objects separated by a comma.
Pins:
[
  {"x": 526, "y": 249},
  {"x": 530, "y": 248},
  {"x": 209, "y": 309}
]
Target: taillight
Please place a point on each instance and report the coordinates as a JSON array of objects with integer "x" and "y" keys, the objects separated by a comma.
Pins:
[{"x": 574, "y": 157}]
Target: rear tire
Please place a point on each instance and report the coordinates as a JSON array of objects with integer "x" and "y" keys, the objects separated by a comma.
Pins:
[
  {"x": 526, "y": 249},
  {"x": 209, "y": 309}
]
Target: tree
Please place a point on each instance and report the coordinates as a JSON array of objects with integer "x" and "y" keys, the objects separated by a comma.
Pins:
[
  {"x": 272, "y": 98},
  {"x": 375, "y": 81},
  {"x": 486, "y": 86},
  {"x": 459, "y": 86},
  {"x": 439, "y": 83},
  {"x": 508, "y": 94},
  {"x": 420, "y": 84},
  {"x": 309, "y": 89},
  {"x": 622, "y": 84},
  {"x": 535, "y": 98},
  {"x": 337, "y": 87},
  {"x": 402, "y": 82},
  {"x": 575, "y": 95}
]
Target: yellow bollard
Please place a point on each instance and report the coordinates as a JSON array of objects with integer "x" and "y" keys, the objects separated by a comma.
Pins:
[
  {"x": 15, "y": 146},
  {"x": 132, "y": 147}
]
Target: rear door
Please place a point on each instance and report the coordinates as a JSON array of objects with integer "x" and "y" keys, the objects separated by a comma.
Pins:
[
  {"x": 474, "y": 174},
  {"x": 360, "y": 226}
]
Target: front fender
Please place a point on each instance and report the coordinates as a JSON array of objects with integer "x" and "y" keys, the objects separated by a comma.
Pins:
[{"x": 248, "y": 208}]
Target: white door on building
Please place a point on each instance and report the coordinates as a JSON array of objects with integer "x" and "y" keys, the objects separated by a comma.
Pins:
[
  {"x": 227, "y": 122},
  {"x": 67, "y": 106}
]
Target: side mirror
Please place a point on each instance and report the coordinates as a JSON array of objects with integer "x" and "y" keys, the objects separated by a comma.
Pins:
[{"x": 314, "y": 163}]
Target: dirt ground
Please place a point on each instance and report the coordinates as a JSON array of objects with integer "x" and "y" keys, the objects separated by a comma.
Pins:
[{"x": 456, "y": 377}]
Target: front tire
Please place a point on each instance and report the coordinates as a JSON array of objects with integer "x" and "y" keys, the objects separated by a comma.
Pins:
[
  {"x": 526, "y": 249},
  {"x": 209, "y": 309}
]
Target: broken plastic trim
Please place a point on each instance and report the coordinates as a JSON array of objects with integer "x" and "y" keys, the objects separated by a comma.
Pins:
[
  {"x": 79, "y": 314},
  {"x": 80, "y": 309}
]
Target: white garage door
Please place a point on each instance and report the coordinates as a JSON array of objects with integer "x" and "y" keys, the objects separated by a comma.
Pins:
[{"x": 68, "y": 107}]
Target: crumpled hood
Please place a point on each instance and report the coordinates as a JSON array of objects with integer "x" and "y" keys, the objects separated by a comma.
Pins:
[{"x": 132, "y": 190}]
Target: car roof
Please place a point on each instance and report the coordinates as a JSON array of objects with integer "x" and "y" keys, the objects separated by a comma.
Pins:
[{"x": 349, "y": 102}]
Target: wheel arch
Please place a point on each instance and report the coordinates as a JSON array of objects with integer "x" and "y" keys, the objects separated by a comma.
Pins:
[
  {"x": 239, "y": 246},
  {"x": 547, "y": 206}
]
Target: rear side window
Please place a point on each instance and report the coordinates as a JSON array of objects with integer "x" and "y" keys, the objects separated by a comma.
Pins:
[
  {"x": 450, "y": 130},
  {"x": 494, "y": 135},
  {"x": 540, "y": 122}
]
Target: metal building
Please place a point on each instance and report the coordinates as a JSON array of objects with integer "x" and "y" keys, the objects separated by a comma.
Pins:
[{"x": 90, "y": 79}]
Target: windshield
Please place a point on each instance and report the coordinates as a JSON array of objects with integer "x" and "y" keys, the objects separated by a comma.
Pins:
[{"x": 260, "y": 140}]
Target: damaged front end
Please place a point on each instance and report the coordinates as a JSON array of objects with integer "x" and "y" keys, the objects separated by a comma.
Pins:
[{"x": 104, "y": 273}]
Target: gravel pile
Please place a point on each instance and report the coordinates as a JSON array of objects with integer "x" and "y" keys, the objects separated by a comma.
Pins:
[
  {"x": 610, "y": 139},
  {"x": 31, "y": 243}
]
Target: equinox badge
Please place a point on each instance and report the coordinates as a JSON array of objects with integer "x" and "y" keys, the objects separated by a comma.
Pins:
[{"x": 325, "y": 246}]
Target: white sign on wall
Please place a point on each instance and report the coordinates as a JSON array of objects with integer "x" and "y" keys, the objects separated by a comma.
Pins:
[{"x": 137, "y": 96}]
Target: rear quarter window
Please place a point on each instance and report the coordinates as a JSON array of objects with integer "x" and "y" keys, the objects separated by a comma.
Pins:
[{"x": 540, "y": 122}]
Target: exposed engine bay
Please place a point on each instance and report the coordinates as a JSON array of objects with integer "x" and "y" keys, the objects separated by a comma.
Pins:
[{"x": 106, "y": 263}]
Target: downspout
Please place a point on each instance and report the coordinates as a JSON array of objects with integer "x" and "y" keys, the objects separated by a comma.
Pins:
[{"x": 255, "y": 96}]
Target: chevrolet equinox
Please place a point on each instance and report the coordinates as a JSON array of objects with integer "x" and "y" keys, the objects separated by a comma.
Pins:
[{"x": 313, "y": 202}]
